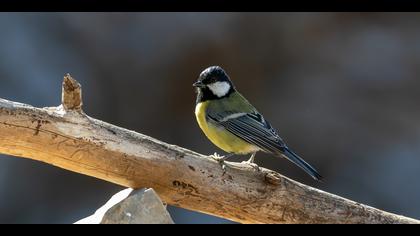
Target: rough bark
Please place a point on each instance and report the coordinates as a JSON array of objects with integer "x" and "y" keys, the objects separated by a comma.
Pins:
[{"x": 66, "y": 137}]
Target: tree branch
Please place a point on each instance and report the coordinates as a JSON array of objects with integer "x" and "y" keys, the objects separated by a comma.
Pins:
[{"x": 65, "y": 137}]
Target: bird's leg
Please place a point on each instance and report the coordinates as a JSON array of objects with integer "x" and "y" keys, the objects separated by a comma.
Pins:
[
  {"x": 221, "y": 159},
  {"x": 251, "y": 162}
]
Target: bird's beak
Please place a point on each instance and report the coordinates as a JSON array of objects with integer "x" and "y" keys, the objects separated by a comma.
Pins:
[{"x": 199, "y": 84}]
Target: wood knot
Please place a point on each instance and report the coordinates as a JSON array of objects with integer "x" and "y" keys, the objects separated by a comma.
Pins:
[
  {"x": 71, "y": 98},
  {"x": 272, "y": 177}
]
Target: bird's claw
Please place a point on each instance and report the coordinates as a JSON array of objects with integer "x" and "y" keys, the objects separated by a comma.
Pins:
[
  {"x": 221, "y": 160},
  {"x": 252, "y": 164},
  {"x": 217, "y": 157}
]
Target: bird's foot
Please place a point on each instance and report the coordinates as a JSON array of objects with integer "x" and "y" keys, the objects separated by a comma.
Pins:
[
  {"x": 217, "y": 157},
  {"x": 221, "y": 160},
  {"x": 252, "y": 164}
]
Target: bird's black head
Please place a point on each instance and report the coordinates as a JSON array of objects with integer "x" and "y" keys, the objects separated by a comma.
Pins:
[{"x": 213, "y": 83}]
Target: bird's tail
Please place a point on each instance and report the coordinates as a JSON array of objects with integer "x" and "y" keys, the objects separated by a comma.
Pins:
[{"x": 293, "y": 157}]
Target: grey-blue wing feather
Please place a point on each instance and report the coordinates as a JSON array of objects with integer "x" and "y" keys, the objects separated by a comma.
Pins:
[{"x": 253, "y": 128}]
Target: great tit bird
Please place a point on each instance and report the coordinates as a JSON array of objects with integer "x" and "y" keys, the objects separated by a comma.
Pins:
[{"x": 233, "y": 124}]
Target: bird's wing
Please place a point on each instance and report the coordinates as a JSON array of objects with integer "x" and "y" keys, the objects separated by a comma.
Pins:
[{"x": 251, "y": 127}]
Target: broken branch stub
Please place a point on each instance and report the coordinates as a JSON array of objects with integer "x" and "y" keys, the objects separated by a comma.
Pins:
[{"x": 71, "y": 97}]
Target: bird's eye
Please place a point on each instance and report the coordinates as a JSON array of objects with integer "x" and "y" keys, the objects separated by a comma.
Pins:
[
  {"x": 207, "y": 81},
  {"x": 212, "y": 80}
]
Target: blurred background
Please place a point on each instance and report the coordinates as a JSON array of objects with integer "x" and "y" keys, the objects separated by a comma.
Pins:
[{"x": 342, "y": 89}]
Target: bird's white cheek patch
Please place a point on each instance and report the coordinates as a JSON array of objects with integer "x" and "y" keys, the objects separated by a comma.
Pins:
[{"x": 219, "y": 89}]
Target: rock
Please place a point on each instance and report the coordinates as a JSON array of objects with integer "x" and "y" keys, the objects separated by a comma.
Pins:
[{"x": 130, "y": 206}]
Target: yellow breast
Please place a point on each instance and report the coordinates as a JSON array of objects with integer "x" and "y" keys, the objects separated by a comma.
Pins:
[{"x": 219, "y": 136}]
